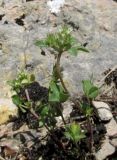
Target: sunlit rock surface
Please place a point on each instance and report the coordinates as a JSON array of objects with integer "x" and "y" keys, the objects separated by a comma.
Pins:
[{"x": 21, "y": 23}]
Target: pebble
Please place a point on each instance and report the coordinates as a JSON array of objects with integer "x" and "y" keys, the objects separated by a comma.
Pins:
[
  {"x": 55, "y": 5},
  {"x": 111, "y": 128},
  {"x": 103, "y": 110},
  {"x": 114, "y": 142}
]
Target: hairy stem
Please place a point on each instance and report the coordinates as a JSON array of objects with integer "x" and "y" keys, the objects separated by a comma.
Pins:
[
  {"x": 59, "y": 72},
  {"x": 91, "y": 130}
]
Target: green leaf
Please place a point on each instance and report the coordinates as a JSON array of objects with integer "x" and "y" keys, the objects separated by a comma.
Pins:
[
  {"x": 89, "y": 89},
  {"x": 45, "y": 110},
  {"x": 54, "y": 95},
  {"x": 41, "y": 43},
  {"x": 16, "y": 100},
  {"x": 93, "y": 92},
  {"x": 57, "y": 93},
  {"x": 82, "y": 49},
  {"x": 63, "y": 95},
  {"x": 24, "y": 81},
  {"x": 73, "y": 51},
  {"x": 74, "y": 133},
  {"x": 32, "y": 77},
  {"x": 22, "y": 109},
  {"x": 88, "y": 110},
  {"x": 87, "y": 85}
]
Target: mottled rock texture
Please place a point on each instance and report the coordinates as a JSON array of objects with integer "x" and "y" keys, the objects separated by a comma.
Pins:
[{"x": 21, "y": 23}]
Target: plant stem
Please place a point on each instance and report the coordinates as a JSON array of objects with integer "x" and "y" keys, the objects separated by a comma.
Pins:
[
  {"x": 37, "y": 117},
  {"x": 52, "y": 135},
  {"x": 91, "y": 135},
  {"x": 59, "y": 72},
  {"x": 90, "y": 128},
  {"x": 58, "y": 107}
]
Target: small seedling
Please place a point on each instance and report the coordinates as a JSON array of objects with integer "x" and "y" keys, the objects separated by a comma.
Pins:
[
  {"x": 74, "y": 133},
  {"x": 23, "y": 79},
  {"x": 91, "y": 92},
  {"x": 87, "y": 109},
  {"x": 89, "y": 89}
]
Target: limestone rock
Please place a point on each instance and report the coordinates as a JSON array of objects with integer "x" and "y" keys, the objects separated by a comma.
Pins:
[
  {"x": 93, "y": 24},
  {"x": 103, "y": 110},
  {"x": 106, "y": 150},
  {"x": 7, "y": 110},
  {"x": 111, "y": 128},
  {"x": 114, "y": 142},
  {"x": 67, "y": 109},
  {"x": 11, "y": 146},
  {"x": 55, "y": 5}
]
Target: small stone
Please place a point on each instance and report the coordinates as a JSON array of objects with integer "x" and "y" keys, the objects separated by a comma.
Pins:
[
  {"x": 55, "y": 5},
  {"x": 67, "y": 109},
  {"x": 11, "y": 146},
  {"x": 6, "y": 129},
  {"x": 111, "y": 128},
  {"x": 103, "y": 110},
  {"x": 7, "y": 110},
  {"x": 114, "y": 142},
  {"x": 106, "y": 150}
]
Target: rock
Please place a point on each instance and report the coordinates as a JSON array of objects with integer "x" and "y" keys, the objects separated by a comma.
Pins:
[
  {"x": 67, "y": 109},
  {"x": 55, "y": 5},
  {"x": 6, "y": 129},
  {"x": 93, "y": 24},
  {"x": 11, "y": 146},
  {"x": 111, "y": 128},
  {"x": 106, "y": 150},
  {"x": 114, "y": 142},
  {"x": 1, "y": 2},
  {"x": 7, "y": 110},
  {"x": 103, "y": 110}
]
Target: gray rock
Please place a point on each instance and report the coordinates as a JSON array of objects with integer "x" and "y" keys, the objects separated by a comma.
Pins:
[
  {"x": 67, "y": 109},
  {"x": 93, "y": 24},
  {"x": 103, "y": 110},
  {"x": 1, "y": 2},
  {"x": 106, "y": 150},
  {"x": 114, "y": 142},
  {"x": 55, "y": 5},
  {"x": 111, "y": 128},
  {"x": 12, "y": 144},
  {"x": 7, "y": 109}
]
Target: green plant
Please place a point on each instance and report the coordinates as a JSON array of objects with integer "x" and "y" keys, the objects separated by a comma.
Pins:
[
  {"x": 90, "y": 90},
  {"x": 74, "y": 133},
  {"x": 60, "y": 42},
  {"x": 48, "y": 110},
  {"x": 23, "y": 79}
]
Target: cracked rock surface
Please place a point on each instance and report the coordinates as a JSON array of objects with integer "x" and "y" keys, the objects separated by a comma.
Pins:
[{"x": 22, "y": 22}]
